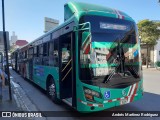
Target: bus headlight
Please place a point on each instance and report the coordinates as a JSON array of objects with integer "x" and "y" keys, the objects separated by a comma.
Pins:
[{"x": 90, "y": 94}]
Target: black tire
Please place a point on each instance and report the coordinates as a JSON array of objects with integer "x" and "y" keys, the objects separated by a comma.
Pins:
[{"x": 51, "y": 91}]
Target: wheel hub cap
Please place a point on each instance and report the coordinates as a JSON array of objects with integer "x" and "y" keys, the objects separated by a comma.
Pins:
[{"x": 52, "y": 90}]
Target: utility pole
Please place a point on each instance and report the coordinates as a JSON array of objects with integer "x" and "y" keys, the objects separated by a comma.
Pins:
[{"x": 6, "y": 49}]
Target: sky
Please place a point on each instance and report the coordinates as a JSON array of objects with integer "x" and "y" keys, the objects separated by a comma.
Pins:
[{"x": 26, "y": 17}]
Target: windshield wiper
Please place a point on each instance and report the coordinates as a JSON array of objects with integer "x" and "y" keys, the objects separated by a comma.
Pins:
[
  {"x": 110, "y": 76},
  {"x": 121, "y": 59}
]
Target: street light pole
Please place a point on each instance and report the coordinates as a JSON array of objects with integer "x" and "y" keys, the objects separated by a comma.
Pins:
[{"x": 6, "y": 49}]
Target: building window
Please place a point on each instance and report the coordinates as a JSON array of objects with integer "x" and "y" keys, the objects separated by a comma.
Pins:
[{"x": 159, "y": 52}]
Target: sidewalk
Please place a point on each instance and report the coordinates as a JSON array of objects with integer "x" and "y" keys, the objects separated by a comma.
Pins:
[
  {"x": 20, "y": 101},
  {"x": 149, "y": 68},
  {"x": 6, "y": 104}
]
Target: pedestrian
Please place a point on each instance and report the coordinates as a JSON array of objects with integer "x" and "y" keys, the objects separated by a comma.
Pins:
[{"x": 2, "y": 82}]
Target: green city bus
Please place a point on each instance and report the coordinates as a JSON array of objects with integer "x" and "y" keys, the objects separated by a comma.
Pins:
[
  {"x": 1, "y": 60},
  {"x": 91, "y": 62}
]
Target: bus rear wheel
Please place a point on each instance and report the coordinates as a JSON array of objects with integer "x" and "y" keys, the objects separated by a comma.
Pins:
[{"x": 51, "y": 91}]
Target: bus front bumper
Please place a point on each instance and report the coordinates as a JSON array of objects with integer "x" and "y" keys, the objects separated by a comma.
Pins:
[{"x": 86, "y": 107}]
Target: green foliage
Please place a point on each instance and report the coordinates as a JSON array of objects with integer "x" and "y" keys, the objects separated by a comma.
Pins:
[{"x": 149, "y": 32}]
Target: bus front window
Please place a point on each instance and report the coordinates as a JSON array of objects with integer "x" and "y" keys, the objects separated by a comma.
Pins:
[{"x": 109, "y": 55}]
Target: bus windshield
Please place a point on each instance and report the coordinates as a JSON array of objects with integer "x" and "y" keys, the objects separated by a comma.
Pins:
[{"x": 109, "y": 56}]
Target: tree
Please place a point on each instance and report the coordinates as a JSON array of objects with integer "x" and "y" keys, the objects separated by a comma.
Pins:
[{"x": 149, "y": 32}]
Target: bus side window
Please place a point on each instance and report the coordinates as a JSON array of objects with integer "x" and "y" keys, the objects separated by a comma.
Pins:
[
  {"x": 51, "y": 48},
  {"x": 45, "y": 59},
  {"x": 55, "y": 52},
  {"x": 45, "y": 49},
  {"x": 65, "y": 53},
  {"x": 51, "y": 55},
  {"x": 35, "y": 51},
  {"x": 35, "y": 55},
  {"x": 25, "y": 54},
  {"x": 0, "y": 58},
  {"x": 39, "y": 53},
  {"x": 41, "y": 50},
  {"x": 30, "y": 53}
]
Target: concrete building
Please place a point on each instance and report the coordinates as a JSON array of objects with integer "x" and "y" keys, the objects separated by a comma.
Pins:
[
  {"x": 157, "y": 51},
  {"x": 50, "y": 24},
  {"x": 15, "y": 43},
  {"x": 13, "y": 39},
  {"x": 154, "y": 52}
]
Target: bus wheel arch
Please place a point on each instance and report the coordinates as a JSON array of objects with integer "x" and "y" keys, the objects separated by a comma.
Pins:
[{"x": 51, "y": 89}]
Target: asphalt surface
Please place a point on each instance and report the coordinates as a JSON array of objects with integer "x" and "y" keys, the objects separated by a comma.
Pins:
[{"x": 36, "y": 99}]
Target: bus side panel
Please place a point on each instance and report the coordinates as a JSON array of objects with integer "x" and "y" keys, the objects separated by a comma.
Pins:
[{"x": 40, "y": 74}]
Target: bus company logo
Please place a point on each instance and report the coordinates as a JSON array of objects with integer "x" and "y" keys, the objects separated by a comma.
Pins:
[
  {"x": 107, "y": 94},
  {"x": 124, "y": 92}
]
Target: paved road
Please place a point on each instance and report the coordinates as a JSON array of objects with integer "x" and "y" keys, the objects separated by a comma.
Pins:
[{"x": 39, "y": 101}]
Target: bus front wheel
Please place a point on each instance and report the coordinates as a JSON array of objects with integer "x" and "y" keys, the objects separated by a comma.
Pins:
[{"x": 51, "y": 91}]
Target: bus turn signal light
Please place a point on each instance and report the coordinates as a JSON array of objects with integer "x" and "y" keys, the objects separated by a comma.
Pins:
[
  {"x": 91, "y": 92},
  {"x": 90, "y": 97}
]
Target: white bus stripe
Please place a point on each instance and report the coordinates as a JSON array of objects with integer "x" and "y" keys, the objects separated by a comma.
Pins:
[
  {"x": 129, "y": 90},
  {"x": 132, "y": 92}
]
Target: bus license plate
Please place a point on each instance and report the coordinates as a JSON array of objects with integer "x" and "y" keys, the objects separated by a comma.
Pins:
[{"x": 123, "y": 101}]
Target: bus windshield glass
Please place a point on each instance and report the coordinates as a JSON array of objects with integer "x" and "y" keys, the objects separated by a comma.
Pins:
[{"x": 109, "y": 55}]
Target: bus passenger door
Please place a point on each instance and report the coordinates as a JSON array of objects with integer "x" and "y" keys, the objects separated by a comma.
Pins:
[{"x": 67, "y": 87}]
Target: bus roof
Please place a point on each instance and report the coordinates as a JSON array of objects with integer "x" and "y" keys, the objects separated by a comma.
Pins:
[{"x": 79, "y": 7}]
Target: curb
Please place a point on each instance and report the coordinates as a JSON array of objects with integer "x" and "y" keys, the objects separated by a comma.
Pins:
[{"x": 23, "y": 102}]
